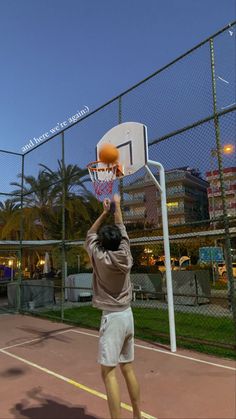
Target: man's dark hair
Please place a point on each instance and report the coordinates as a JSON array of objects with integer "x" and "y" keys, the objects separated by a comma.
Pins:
[{"x": 109, "y": 237}]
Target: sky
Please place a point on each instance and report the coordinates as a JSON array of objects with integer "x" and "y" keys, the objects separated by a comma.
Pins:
[{"x": 59, "y": 56}]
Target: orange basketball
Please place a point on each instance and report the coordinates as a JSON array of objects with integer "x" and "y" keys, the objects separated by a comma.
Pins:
[{"x": 108, "y": 153}]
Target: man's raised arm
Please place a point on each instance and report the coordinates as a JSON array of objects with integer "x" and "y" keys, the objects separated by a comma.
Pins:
[
  {"x": 117, "y": 214},
  {"x": 97, "y": 224}
]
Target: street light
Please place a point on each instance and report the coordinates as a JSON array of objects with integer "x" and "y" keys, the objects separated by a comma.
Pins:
[
  {"x": 225, "y": 149},
  {"x": 228, "y": 149}
]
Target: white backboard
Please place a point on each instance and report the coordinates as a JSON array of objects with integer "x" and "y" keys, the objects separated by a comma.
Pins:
[{"x": 131, "y": 140}]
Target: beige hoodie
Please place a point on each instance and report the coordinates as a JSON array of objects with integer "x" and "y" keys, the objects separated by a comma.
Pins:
[{"x": 111, "y": 273}]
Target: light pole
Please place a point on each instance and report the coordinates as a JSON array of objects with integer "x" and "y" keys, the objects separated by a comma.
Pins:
[
  {"x": 213, "y": 154},
  {"x": 225, "y": 149}
]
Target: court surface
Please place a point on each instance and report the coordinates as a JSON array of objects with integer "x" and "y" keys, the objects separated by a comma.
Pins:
[{"x": 48, "y": 371}]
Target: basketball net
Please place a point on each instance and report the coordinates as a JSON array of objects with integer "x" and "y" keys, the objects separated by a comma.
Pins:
[{"x": 103, "y": 176}]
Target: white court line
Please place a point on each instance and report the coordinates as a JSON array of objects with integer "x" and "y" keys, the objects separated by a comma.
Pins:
[
  {"x": 72, "y": 382},
  {"x": 186, "y": 357},
  {"x": 35, "y": 340},
  {"x": 136, "y": 344},
  {"x": 166, "y": 352}
]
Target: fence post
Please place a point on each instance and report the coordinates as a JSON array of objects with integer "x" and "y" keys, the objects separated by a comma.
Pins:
[
  {"x": 21, "y": 234},
  {"x": 63, "y": 232},
  {"x": 228, "y": 257},
  {"x": 121, "y": 183}
]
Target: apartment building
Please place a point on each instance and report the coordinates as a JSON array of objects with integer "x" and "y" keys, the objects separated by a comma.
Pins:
[
  {"x": 215, "y": 195},
  {"x": 186, "y": 199}
]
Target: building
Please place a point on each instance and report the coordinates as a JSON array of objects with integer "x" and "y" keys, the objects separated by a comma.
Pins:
[
  {"x": 215, "y": 195},
  {"x": 186, "y": 195}
]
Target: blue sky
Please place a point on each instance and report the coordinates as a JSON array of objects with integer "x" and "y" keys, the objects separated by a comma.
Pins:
[{"x": 59, "y": 55}]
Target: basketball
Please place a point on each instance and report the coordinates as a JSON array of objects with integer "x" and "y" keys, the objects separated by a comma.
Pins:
[{"x": 108, "y": 153}]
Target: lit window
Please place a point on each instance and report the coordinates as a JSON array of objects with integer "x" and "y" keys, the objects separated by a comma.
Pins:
[{"x": 172, "y": 204}]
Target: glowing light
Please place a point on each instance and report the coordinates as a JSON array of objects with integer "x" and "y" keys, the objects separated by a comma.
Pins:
[
  {"x": 147, "y": 250},
  {"x": 228, "y": 148},
  {"x": 172, "y": 204}
]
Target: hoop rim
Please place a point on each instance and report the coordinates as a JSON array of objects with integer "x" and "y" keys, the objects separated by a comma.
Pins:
[{"x": 103, "y": 168}]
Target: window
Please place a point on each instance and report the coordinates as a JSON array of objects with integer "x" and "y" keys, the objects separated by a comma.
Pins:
[
  {"x": 172, "y": 190},
  {"x": 172, "y": 204},
  {"x": 136, "y": 196}
]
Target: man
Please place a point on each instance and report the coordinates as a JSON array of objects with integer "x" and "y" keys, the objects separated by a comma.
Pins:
[{"x": 109, "y": 250}]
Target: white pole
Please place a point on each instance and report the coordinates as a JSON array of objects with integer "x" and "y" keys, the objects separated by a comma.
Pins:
[
  {"x": 66, "y": 290},
  {"x": 78, "y": 263},
  {"x": 162, "y": 189}
]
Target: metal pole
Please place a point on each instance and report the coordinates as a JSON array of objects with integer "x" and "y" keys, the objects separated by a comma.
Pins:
[
  {"x": 214, "y": 214},
  {"x": 228, "y": 257},
  {"x": 21, "y": 235},
  {"x": 78, "y": 263},
  {"x": 121, "y": 183},
  {"x": 63, "y": 256},
  {"x": 213, "y": 189},
  {"x": 162, "y": 189}
]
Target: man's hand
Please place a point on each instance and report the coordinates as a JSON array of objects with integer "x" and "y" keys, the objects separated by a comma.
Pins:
[
  {"x": 106, "y": 209},
  {"x": 106, "y": 205}
]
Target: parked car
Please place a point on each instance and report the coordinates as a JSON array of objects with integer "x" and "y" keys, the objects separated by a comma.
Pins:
[
  {"x": 223, "y": 270},
  {"x": 176, "y": 264}
]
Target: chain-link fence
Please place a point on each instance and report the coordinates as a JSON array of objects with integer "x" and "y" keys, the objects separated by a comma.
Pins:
[{"x": 48, "y": 204}]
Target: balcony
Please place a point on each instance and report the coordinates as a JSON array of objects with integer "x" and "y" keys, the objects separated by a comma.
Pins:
[
  {"x": 134, "y": 201},
  {"x": 135, "y": 216},
  {"x": 216, "y": 191}
]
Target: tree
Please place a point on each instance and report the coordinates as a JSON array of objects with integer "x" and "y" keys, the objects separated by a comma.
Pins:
[
  {"x": 36, "y": 190},
  {"x": 43, "y": 200},
  {"x": 81, "y": 207},
  {"x": 9, "y": 220},
  {"x": 71, "y": 176}
]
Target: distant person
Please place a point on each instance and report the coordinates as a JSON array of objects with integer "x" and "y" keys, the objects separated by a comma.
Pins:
[
  {"x": 37, "y": 273},
  {"x": 109, "y": 250}
]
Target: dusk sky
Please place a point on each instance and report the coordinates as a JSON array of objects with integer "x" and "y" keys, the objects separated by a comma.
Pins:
[{"x": 59, "y": 56}]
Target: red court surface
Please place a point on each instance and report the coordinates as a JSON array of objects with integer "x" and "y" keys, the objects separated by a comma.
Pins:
[{"x": 49, "y": 371}]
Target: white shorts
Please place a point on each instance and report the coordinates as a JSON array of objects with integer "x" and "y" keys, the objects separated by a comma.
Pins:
[{"x": 116, "y": 338}]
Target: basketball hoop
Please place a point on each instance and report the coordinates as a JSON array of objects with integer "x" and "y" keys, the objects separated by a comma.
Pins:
[{"x": 102, "y": 176}]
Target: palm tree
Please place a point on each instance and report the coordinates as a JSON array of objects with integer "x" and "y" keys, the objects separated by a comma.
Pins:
[
  {"x": 36, "y": 191},
  {"x": 68, "y": 180},
  {"x": 80, "y": 213},
  {"x": 9, "y": 217},
  {"x": 36, "y": 200},
  {"x": 71, "y": 176},
  {"x": 42, "y": 198},
  {"x": 83, "y": 211}
]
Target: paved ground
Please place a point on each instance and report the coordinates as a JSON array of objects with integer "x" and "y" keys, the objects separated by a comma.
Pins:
[{"x": 48, "y": 371}]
